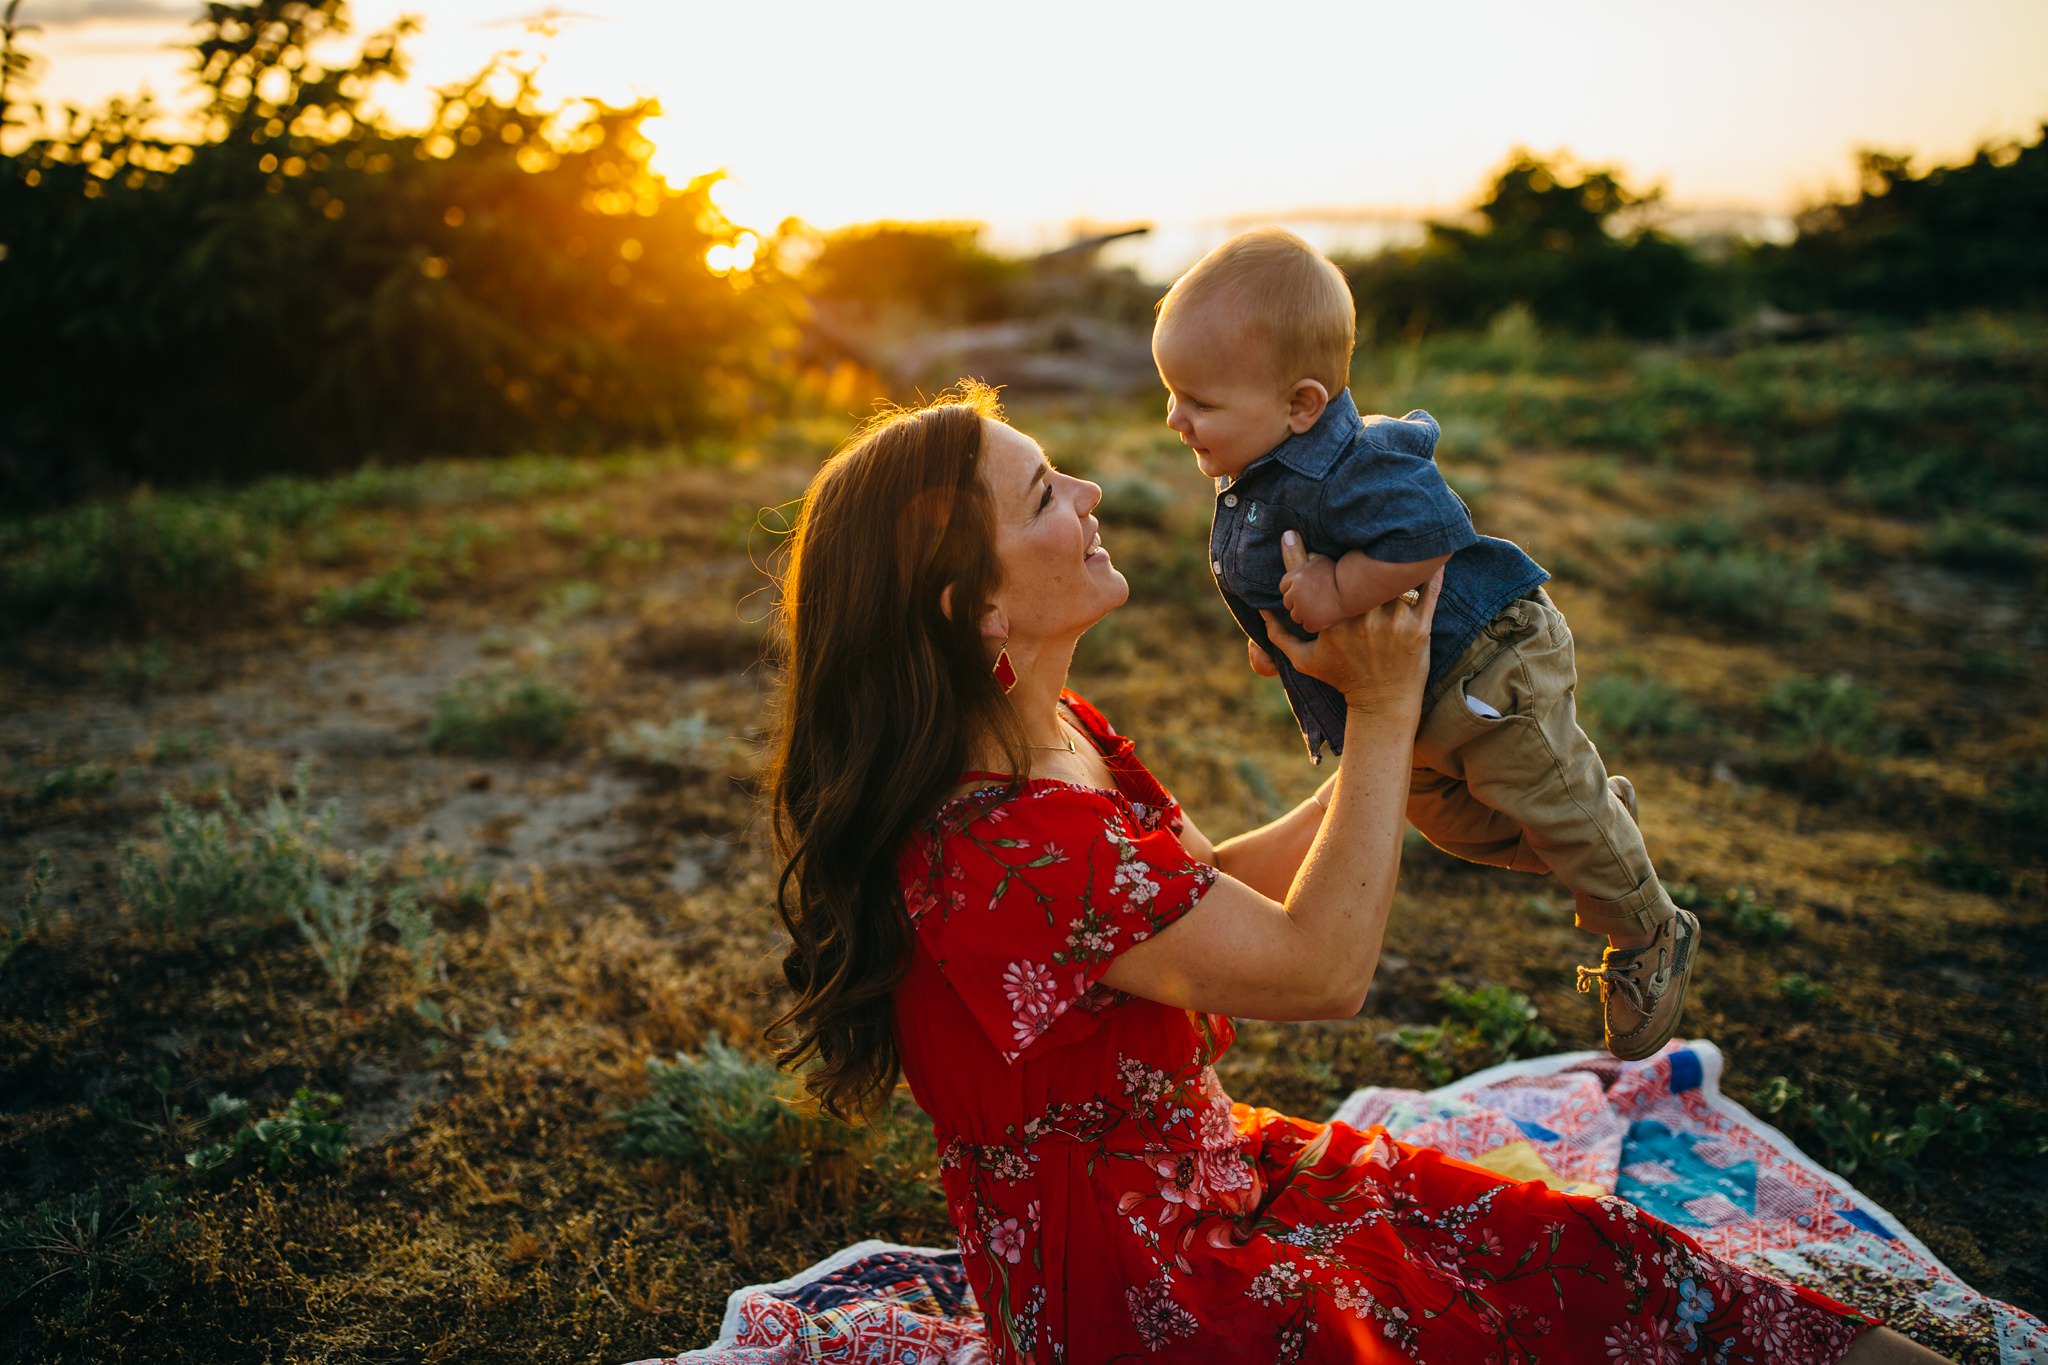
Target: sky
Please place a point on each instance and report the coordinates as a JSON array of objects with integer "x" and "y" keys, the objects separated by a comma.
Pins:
[{"x": 1028, "y": 115}]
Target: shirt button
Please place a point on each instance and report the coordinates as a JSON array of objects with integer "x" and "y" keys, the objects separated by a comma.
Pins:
[
  {"x": 1216, "y": 567},
  {"x": 1230, "y": 499}
]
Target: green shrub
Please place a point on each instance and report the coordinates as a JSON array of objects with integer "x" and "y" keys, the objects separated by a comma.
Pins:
[
  {"x": 1737, "y": 589},
  {"x": 335, "y": 917},
  {"x": 721, "y": 1113},
  {"x": 1977, "y": 542},
  {"x": 497, "y": 713},
  {"x": 135, "y": 671},
  {"x": 167, "y": 1119},
  {"x": 205, "y": 873},
  {"x": 230, "y": 867},
  {"x": 27, "y": 918},
  {"x": 307, "y": 1131},
  {"x": 73, "y": 780},
  {"x": 1964, "y": 868},
  {"x": 128, "y": 558},
  {"x": 1853, "y": 1135},
  {"x": 567, "y": 601},
  {"x": 384, "y": 597},
  {"x": 1621, "y": 705},
  {"x": 1493, "y": 1021},
  {"x": 1751, "y": 919},
  {"x": 1811, "y": 716},
  {"x": 686, "y": 744},
  {"x": 179, "y": 746},
  {"x": 1600, "y": 476},
  {"x": 2020, "y": 800},
  {"x": 1801, "y": 991}
]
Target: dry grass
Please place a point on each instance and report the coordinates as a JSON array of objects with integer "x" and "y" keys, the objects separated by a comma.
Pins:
[{"x": 485, "y": 1212}]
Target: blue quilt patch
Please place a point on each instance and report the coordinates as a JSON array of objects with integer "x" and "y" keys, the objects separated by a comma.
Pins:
[{"x": 1686, "y": 1175}]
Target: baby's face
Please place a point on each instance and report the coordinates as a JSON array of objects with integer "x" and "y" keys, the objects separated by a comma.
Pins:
[{"x": 1220, "y": 395}]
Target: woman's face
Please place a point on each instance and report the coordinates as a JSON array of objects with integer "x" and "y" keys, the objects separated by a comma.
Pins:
[{"x": 1057, "y": 577}]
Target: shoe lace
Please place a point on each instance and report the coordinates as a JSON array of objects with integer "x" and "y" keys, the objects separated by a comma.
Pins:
[
  {"x": 1615, "y": 979},
  {"x": 1620, "y": 971}
]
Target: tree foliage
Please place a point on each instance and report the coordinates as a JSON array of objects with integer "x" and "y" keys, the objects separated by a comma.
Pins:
[
  {"x": 1570, "y": 245},
  {"x": 1909, "y": 245},
  {"x": 301, "y": 287}
]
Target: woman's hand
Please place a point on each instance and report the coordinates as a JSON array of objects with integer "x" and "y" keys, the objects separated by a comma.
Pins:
[{"x": 1378, "y": 660}]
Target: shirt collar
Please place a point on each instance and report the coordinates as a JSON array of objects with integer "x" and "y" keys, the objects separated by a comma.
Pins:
[{"x": 1313, "y": 451}]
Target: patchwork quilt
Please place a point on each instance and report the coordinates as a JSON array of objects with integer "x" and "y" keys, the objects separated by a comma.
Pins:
[{"x": 1657, "y": 1132}]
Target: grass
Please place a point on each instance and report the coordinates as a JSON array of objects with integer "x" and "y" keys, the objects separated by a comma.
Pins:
[
  {"x": 1916, "y": 422},
  {"x": 521, "y": 1182}
]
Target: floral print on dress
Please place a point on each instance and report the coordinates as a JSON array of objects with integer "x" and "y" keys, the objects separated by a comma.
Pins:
[{"x": 1112, "y": 1203}]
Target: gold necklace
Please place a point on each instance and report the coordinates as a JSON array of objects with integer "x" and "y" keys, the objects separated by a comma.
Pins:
[{"x": 1068, "y": 746}]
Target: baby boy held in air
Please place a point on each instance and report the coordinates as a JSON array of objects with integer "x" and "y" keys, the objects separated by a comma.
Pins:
[{"x": 1254, "y": 347}]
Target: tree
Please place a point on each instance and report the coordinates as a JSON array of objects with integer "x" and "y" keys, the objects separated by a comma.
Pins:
[
  {"x": 303, "y": 288},
  {"x": 1568, "y": 244}
]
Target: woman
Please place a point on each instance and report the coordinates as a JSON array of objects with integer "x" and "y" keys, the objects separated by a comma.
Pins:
[{"x": 988, "y": 892}]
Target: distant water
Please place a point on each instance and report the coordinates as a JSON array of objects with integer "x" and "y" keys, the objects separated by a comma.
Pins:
[{"x": 1172, "y": 245}]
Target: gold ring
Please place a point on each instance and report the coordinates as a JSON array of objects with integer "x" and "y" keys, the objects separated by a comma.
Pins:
[{"x": 1412, "y": 596}]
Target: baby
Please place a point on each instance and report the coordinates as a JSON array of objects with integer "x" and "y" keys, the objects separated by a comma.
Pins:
[{"x": 1254, "y": 346}]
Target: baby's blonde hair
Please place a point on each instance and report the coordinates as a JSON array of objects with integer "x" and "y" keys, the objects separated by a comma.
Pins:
[{"x": 1294, "y": 305}]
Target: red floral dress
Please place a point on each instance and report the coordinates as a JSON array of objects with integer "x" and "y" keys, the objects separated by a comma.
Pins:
[{"x": 1113, "y": 1204}]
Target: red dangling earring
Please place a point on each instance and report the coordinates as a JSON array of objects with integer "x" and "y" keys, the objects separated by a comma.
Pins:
[{"x": 1006, "y": 673}]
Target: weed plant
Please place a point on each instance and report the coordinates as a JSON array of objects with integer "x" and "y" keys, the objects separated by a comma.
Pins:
[
  {"x": 73, "y": 781},
  {"x": 335, "y": 917},
  {"x": 89, "y": 1243},
  {"x": 179, "y": 746},
  {"x": 27, "y": 919},
  {"x": 722, "y": 1113},
  {"x": 1624, "y": 705},
  {"x": 385, "y": 597},
  {"x": 1826, "y": 734},
  {"x": 1739, "y": 588},
  {"x": 1977, "y": 543},
  {"x": 1963, "y": 868},
  {"x": 1800, "y": 991},
  {"x": 1855, "y": 1135},
  {"x": 166, "y": 1119},
  {"x": 204, "y": 875},
  {"x": 736, "y": 1121},
  {"x": 497, "y": 713},
  {"x": 1492, "y": 1021},
  {"x": 306, "y": 1132},
  {"x": 1748, "y": 918},
  {"x": 686, "y": 744},
  {"x": 135, "y": 671}
]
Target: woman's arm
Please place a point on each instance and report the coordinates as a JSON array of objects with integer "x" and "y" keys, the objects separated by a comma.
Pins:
[
  {"x": 1267, "y": 858},
  {"x": 1242, "y": 952}
]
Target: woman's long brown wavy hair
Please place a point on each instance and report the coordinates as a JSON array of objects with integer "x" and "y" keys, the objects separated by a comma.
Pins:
[{"x": 885, "y": 694}]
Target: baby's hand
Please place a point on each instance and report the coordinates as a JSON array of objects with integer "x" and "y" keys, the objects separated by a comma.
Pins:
[{"x": 1309, "y": 591}]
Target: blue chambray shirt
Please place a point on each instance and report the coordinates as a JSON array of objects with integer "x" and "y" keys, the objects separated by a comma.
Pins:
[{"x": 1358, "y": 483}]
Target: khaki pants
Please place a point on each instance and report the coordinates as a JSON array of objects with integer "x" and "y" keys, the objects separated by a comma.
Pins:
[{"x": 1528, "y": 791}]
